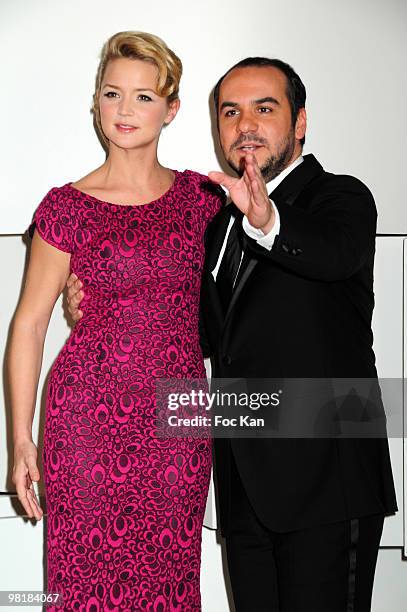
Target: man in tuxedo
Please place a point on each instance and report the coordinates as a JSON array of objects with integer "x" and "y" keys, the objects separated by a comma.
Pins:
[
  {"x": 302, "y": 517},
  {"x": 287, "y": 293}
]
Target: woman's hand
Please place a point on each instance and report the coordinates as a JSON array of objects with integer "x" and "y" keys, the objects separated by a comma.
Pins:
[
  {"x": 25, "y": 471},
  {"x": 75, "y": 295},
  {"x": 249, "y": 194}
]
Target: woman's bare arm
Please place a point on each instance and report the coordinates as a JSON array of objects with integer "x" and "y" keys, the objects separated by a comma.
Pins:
[{"x": 47, "y": 273}]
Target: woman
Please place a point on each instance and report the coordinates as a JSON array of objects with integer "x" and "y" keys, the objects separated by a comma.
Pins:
[{"x": 125, "y": 507}]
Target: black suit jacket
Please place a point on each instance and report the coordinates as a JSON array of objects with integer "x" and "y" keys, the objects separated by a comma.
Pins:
[{"x": 301, "y": 310}]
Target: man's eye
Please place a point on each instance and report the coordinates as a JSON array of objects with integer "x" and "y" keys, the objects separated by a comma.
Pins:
[
  {"x": 231, "y": 113},
  {"x": 145, "y": 98},
  {"x": 265, "y": 109}
]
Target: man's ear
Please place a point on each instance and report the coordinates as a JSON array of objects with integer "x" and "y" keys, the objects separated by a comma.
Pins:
[
  {"x": 173, "y": 108},
  {"x": 301, "y": 124}
]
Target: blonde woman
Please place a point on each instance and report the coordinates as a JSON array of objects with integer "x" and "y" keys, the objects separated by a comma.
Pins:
[{"x": 125, "y": 508}]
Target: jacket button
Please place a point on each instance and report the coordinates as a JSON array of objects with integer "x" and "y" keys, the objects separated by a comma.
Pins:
[
  {"x": 285, "y": 248},
  {"x": 227, "y": 360}
]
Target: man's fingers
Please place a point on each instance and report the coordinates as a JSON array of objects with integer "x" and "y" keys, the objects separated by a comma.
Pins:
[
  {"x": 71, "y": 279},
  {"x": 78, "y": 297},
  {"x": 217, "y": 177},
  {"x": 247, "y": 181},
  {"x": 253, "y": 167},
  {"x": 257, "y": 191},
  {"x": 77, "y": 286},
  {"x": 252, "y": 159},
  {"x": 253, "y": 187},
  {"x": 223, "y": 179},
  {"x": 74, "y": 284},
  {"x": 257, "y": 195},
  {"x": 254, "y": 172},
  {"x": 75, "y": 313},
  {"x": 78, "y": 315},
  {"x": 74, "y": 296}
]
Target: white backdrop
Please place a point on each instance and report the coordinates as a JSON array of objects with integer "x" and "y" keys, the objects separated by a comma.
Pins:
[{"x": 350, "y": 55}]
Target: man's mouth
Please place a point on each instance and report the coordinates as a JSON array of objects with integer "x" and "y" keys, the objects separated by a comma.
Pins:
[{"x": 249, "y": 147}]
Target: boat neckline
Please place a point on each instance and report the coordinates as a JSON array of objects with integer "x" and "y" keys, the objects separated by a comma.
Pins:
[{"x": 162, "y": 197}]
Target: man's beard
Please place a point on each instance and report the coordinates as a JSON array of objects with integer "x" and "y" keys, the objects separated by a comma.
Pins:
[{"x": 274, "y": 164}]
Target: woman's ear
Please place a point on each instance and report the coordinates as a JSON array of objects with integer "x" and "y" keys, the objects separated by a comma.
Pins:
[{"x": 173, "y": 108}]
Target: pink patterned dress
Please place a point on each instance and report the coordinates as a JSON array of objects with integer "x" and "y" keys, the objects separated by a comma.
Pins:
[{"x": 125, "y": 507}]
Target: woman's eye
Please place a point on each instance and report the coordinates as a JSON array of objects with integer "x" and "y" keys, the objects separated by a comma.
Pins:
[
  {"x": 145, "y": 98},
  {"x": 107, "y": 94}
]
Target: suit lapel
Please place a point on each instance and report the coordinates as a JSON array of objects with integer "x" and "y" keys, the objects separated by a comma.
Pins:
[
  {"x": 243, "y": 275},
  {"x": 297, "y": 180},
  {"x": 215, "y": 237}
]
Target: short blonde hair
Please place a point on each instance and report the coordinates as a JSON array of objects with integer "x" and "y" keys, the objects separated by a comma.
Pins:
[{"x": 145, "y": 47}]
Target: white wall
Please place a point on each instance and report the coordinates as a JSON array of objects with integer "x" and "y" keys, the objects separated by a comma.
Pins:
[{"x": 350, "y": 54}]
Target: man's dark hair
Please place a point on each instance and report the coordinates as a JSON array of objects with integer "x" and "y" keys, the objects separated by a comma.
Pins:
[{"x": 296, "y": 93}]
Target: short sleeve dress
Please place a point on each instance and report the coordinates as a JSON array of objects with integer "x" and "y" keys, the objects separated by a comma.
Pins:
[{"x": 125, "y": 507}]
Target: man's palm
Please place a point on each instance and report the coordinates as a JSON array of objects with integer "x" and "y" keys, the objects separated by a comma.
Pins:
[{"x": 238, "y": 190}]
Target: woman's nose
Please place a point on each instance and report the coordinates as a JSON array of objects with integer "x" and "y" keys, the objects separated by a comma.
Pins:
[{"x": 125, "y": 106}]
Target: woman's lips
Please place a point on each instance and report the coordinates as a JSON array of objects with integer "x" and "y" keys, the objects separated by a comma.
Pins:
[{"x": 125, "y": 129}]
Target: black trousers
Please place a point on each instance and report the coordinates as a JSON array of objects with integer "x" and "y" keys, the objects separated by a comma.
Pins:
[{"x": 329, "y": 568}]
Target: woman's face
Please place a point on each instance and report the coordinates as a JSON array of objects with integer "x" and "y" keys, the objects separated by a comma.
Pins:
[{"x": 131, "y": 112}]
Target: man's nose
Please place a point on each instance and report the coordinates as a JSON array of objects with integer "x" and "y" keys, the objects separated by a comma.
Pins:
[{"x": 247, "y": 123}]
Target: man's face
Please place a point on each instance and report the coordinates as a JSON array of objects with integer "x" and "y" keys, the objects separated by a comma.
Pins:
[{"x": 255, "y": 117}]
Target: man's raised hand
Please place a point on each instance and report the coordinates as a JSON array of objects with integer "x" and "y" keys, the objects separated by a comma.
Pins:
[{"x": 249, "y": 194}]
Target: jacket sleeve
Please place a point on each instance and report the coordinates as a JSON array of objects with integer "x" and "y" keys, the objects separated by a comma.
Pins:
[
  {"x": 203, "y": 337},
  {"x": 331, "y": 239}
]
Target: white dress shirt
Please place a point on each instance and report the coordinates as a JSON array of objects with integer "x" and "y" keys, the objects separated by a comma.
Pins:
[{"x": 265, "y": 240}]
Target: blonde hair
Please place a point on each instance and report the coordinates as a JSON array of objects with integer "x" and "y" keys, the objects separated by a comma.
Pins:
[{"x": 145, "y": 47}]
